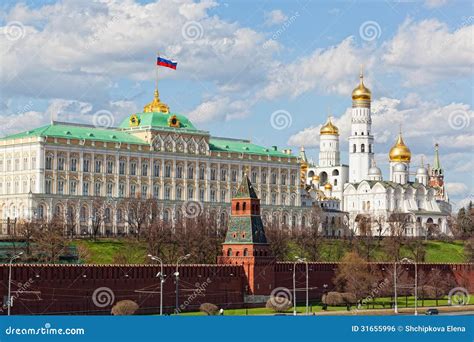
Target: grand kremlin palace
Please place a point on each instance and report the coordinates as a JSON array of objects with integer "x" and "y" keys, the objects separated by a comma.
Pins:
[{"x": 64, "y": 168}]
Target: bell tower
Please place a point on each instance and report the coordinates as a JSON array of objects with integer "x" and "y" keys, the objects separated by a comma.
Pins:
[{"x": 246, "y": 244}]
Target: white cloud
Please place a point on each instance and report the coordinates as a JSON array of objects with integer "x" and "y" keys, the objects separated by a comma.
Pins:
[
  {"x": 275, "y": 17},
  {"x": 455, "y": 189},
  {"x": 435, "y": 3},
  {"x": 425, "y": 51}
]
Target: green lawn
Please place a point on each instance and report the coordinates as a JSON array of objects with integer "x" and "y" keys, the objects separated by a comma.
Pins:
[
  {"x": 104, "y": 251},
  {"x": 379, "y": 303}
]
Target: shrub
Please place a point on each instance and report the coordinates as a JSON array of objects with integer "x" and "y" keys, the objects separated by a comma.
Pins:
[
  {"x": 124, "y": 307},
  {"x": 209, "y": 309},
  {"x": 349, "y": 297},
  {"x": 333, "y": 299},
  {"x": 278, "y": 304}
]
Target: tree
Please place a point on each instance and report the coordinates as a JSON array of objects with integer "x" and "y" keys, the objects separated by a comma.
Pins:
[
  {"x": 209, "y": 309},
  {"x": 354, "y": 275},
  {"x": 333, "y": 298},
  {"x": 124, "y": 308},
  {"x": 26, "y": 231},
  {"x": 417, "y": 249},
  {"x": 469, "y": 249},
  {"x": 140, "y": 213},
  {"x": 98, "y": 216},
  {"x": 50, "y": 240}
]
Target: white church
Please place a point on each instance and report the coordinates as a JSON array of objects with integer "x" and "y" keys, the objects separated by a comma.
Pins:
[{"x": 403, "y": 204}]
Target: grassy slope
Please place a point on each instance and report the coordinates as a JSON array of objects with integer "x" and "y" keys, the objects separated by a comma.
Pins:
[{"x": 105, "y": 251}]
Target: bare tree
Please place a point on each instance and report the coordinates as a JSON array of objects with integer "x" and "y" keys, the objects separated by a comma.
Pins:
[
  {"x": 140, "y": 213},
  {"x": 50, "y": 240}
]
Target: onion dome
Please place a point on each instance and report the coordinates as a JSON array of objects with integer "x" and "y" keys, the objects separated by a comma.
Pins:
[
  {"x": 361, "y": 93},
  {"x": 327, "y": 186},
  {"x": 399, "y": 167},
  {"x": 315, "y": 178},
  {"x": 329, "y": 128},
  {"x": 375, "y": 171},
  {"x": 400, "y": 152},
  {"x": 156, "y": 106},
  {"x": 422, "y": 171}
]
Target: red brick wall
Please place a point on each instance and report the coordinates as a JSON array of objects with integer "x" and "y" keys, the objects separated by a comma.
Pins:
[{"x": 68, "y": 289}]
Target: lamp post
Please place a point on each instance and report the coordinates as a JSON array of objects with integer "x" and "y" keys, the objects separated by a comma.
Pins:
[
  {"x": 162, "y": 280},
  {"x": 409, "y": 261},
  {"x": 176, "y": 274},
  {"x": 16, "y": 256},
  {"x": 294, "y": 289},
  {"x": 307, "y": 283},
  {"x": 395, "y": 287}
]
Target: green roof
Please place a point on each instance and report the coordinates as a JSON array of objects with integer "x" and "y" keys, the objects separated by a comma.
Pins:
[
  {"x": 245, "y": 189},
  {"x": 243, "y": 146},
  {"x": 158, "y": 120},
  {"x": 72, "y": 131}
]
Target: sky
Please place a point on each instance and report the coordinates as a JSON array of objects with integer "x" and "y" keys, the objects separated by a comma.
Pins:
[{"x": 268, "y": 71}]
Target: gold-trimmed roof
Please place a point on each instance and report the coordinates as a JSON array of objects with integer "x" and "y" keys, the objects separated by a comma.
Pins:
[
  {"x": 329, "y": 128},
  {"x": 361, "y": 92},
  {"x": 156, "y": 106},
  {"x": 400, "y": 152}
]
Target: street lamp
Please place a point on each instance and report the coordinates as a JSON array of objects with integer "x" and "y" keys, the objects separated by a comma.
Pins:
[
  {"x": 409, "y": 261},
  {"x": 162, "y": 280},
  {"x": 395, "y": 286},
  {"x": 176, "y": 274},
  {"x": 16, "y": 256},
  {"x": 307, "y": 283},
  {"x": 298, "y": 259}
]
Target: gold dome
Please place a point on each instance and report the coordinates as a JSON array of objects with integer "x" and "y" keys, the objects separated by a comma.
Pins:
[
  {"x": 329, "y": 128},
  {"x": 156, "y": 106},
  {"x": 361, "y": 93},
  {"x": 327, "y": 186},
  {"x": 315, "y": 178},
  {"x": 400, "y": 152}
]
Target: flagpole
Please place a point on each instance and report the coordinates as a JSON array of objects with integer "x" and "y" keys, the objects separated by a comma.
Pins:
[{"x": 156, "y": 72}]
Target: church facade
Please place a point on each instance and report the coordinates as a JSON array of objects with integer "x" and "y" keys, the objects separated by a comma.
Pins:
[{"x": 409, "y": 203}]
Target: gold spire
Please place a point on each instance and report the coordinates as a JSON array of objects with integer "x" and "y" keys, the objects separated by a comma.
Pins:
[
  {"x": 400, "y": 152},
  {"x": 156, "y": 106},
  {"x": 361, "y": 95},
  {"x": 329, "y": 128}
]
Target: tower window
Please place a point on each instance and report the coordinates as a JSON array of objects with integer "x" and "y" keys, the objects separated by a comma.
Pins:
[
  {"x": 244, "y": 206},
  {"x": 354, "y": 149},
  {"x": 237, "y": 206},
  {"x": 362, "y": 133},
  {"x": 362, "y": 148}
]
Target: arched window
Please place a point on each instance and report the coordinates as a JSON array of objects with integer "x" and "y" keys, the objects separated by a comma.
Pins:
[
  {"x": 362, "y": 148},
  {"x": 335, "y": 182},
  {"x": 237, "y": 206},
  {"x": 244, "y": 206},
  {"x": 354, "y": 149},
  {"x": 229, "y": 252},
  {"x": 335, "y": 172},
  {"x": 303, "y": 221},
  {"x": 246, "y": 251},
  {"x": 370, "y": 148},
  {"x": 40, "y": 213}
]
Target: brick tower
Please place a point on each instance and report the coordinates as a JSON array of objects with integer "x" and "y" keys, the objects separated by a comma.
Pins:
[{"x": 246, "y": 244}]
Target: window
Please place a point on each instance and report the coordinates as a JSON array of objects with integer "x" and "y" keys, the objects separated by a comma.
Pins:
[
  {"x": 156, "y": 169},
  {"x": 110, "y": 166},
  {"x": 202, "y": 172},
  {"x": 190, "y": 172},
  {"x": 167, "y": 192},
  {"x": 33, "y": 164},
  {"x": 25, "y": 163},
  {"x": 283, "y": 199},
  {"x": 213, "y": 174},
  {"x": 213, "y": 195},
  {"x": 335, "y": 182},
  {"x": 98, "y": 166},
  {"x": 49, "y": 163},
  {"x": 190, "y": 193},
  {"x": 40, "y": 212},
  {"x": 122, "y": 167},
  {"x": 85, "y": 189},
  {"x": 370, "y": 148},
  {"x": 144, "y": 169},
  {"x": 133, "y": 168},
  {"x": 167, "y": 171},
  {"x": 61, "y": 163},
  {"x": 60, "y": 187},
  {"x": 179, "y": 171},
  {"x": 254, "y": 177},
  {"x": 72, "y": 187},
  {"x": 274, "y": 178},
  {"x": 274, "y": 199},
  {"x": 292, "y": 179},
  {"x": 362, "y": 148},
  {"x": 354, "y": 149},
  {"x": 179, "y": 193},
  {"x": 17, "y": 164},
  {"x": 97, "y": 188},
  {"x": 166, "y": 215},
  {"x": 283, "y": 179},
  {"x": 201, "y": 195},
  {"x": 119, "y": 215},
  {"x": 264, "y": 177},
  {"x": 107, "y": 215},
  {"x": 85, "y": 165},
  {"x": 110, "y": 188},
  {"x": 73, "y": 164},
  {"x": 133, "y": 190},
  {"x": 47, "y": 186},
  {"x": 144, "y": 191},
  {"x": 223, "y": 175},
  {"x": 223, "y": 195},
  {"x": 121, "y": 190},
  {"x": 234, "y": 175},
  {"x": 156, "y": 191}
]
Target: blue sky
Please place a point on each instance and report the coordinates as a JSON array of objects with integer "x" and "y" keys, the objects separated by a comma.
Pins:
[{"x": 242, "y": 63}]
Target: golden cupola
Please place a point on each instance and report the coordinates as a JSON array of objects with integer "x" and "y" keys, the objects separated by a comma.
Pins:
[
  {"x": 156, "y": 106},
  {"x": 329, "y": 128},
  {"x": 361, "y": 95},
  {"x": 400, "y": 152}
]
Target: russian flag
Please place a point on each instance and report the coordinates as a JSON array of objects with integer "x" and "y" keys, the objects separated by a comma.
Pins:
[{"x": 160, "y": 61}]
